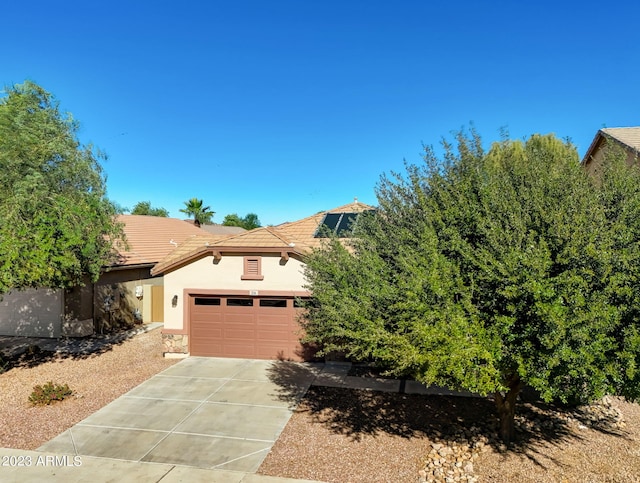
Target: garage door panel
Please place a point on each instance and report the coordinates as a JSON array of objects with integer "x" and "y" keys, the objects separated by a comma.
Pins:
[
  {"x": 204, "y": 347},
  {"x": 276, "y": 351},
  {"x": 233, "y": 333},
  {"x": 284, "y": 320},
  {"x": 239, "y": 350},
  {"x": 262, "y": 328},
  {"x": 274, "y": 335},
  {"x": 234, "y": 318}
]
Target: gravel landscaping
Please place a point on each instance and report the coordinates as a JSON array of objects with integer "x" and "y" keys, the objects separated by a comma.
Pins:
[
  {"x": 347, "y": 435},
  {"x": 96, "y": 379}
]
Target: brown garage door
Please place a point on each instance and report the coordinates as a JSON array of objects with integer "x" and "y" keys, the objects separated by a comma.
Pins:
[{"x": 249, "y": 327}]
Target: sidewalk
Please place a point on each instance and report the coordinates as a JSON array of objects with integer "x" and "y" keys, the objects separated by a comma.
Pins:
[{"x": 20, "y": 466}]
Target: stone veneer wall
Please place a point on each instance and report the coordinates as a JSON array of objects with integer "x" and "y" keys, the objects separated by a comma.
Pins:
[{"x": 175, "y": 343}]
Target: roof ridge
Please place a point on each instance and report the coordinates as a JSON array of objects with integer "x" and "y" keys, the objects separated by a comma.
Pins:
[{"x": 275, "y": 232}]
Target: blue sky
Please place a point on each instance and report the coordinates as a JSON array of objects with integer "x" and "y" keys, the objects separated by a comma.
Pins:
[{"x": 286, "y": 108}]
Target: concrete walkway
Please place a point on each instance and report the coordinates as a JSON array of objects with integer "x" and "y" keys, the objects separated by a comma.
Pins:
[
  {"x": 19, "y": 466},
  {"x": 202, "y": 419},
  {"x": 202, "y": 412}
]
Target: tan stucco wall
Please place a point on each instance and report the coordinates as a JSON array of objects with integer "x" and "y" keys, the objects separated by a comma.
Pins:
[
  {"x": 594, "y": 163},
  {"x": 32, "y": 313},
  {"x": 225, "y": 275},
  {"x": 121, "y": 285}
]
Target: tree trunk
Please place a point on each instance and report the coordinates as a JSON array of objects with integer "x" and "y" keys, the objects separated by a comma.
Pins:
[{"x": 506, "y": 404}]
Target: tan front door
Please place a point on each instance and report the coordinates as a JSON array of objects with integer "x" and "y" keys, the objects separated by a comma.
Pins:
[
  {"x": 247, "y": 327},
  {"x": 157, "y": 303}
]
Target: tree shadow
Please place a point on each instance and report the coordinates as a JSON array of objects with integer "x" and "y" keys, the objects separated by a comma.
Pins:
[
  {"x": 451, "y": 419},
  {"x": 27, "y": 352},
  {"x": 292, "y": 380}
]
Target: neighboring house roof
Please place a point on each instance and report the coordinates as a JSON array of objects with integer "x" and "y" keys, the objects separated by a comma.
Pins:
[
  {"x": 152, "y": 238},
  {"x": 296, "y": 237},
  {"x": 626, "y": 137},
  {"x": 216, "y": 229}
]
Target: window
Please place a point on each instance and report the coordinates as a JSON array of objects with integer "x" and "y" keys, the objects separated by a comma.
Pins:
[
  {"x": 239, "y": 302},
  {"x": 207, "y": 301},
  {"x": 252, "y": 269},
  {"x": 276, "y": 303}
]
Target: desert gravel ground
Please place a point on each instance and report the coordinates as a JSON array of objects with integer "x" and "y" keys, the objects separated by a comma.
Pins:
[
  {"x": 348, "y": 436},
  {"x": 337, "y": 435},
  {"x": 96, "y": 380}
]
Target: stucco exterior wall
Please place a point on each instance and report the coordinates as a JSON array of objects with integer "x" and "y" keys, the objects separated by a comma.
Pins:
[
  {"x": 225, "y": 274},
  {"x": 32, "y": 313},
  {"x": 594, "y": 164},
  {"x": 125, "y": 308}
]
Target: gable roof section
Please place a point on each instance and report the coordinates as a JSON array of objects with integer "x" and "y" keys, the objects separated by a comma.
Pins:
[
  {"x": 152, "y": 238},
  {"x": 216, "y": 229},
  {"x": 292, "y": 237},
  {"x": 626, "y": 137},
  {"x": 303, "y": 231},
  {"x": 265, "y": 239}
]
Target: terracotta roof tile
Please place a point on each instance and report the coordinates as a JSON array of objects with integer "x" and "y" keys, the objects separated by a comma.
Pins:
[
  {"x": 297, "y": 236},
  {"x": 222, "y": 229},
  {"x": 152, "y": 238},
  {"x": 303, "y": 231},
  {"x": 629, "y": 136}
]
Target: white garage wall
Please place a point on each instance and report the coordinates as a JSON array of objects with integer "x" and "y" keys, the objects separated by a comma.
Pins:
[
  {"x": 225, "y": 275},
  {"x": 32, "y": 313}
]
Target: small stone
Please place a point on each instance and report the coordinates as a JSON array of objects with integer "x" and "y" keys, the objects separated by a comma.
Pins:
[{"x": 445, "y": 451}]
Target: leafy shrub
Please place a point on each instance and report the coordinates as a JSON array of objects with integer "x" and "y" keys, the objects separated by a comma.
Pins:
[{"x": 49, "y": 393}]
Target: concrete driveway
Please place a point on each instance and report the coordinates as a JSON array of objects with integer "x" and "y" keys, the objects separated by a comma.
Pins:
[{"x": 201, "y": 412}]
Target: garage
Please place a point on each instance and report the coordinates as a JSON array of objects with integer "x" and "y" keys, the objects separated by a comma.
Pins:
[{"x": 247, "y": 327}]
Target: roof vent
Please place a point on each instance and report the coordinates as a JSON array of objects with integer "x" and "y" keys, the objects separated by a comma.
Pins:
[{"x": 173, "y": 243}]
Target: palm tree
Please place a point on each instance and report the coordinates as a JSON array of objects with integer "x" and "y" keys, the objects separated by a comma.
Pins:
[{"x": 201, "y": 214}]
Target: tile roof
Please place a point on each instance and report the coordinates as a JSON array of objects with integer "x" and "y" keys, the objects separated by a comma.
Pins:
[
  {"x": 292, "y": 237},
  {"x": 152, "y": 238},
  {"x": 629, "y": 136},
  {"x": 216, "y": 229}
]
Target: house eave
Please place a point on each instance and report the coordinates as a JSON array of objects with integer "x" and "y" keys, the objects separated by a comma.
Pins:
[
  {"x": 112, "y": 268},
  {"x": 217, "y": 253}
]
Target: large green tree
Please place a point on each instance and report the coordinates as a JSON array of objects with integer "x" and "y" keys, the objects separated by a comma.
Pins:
[
  {"x": 56, "y": 224},
  {"x": 145, "y": 208},
  {"x": 486, "y": 271},
  {"x": 249, "y": 222},
  {"x": 201, "y": 214}
]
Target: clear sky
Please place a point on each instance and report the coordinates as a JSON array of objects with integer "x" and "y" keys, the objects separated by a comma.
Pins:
[{"x": 286, "y": 108}]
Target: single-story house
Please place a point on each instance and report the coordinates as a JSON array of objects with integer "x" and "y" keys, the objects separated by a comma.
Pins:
[
  {"x": 126, "y": 292},
  {"x": 627, "y": 138},
  {"x": 239, "y": 296}
]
